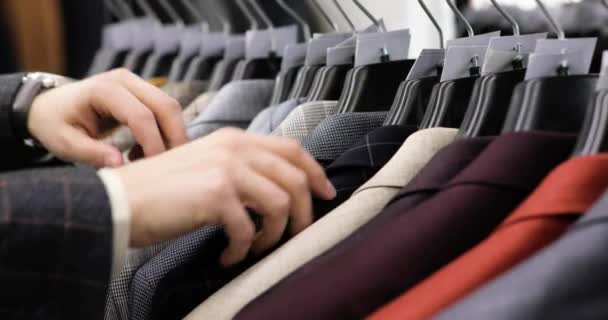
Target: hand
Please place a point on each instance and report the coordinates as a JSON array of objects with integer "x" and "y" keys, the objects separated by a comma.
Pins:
[
  {"x": 66, "y": 120},
  {"x": 213, "y": 180}
]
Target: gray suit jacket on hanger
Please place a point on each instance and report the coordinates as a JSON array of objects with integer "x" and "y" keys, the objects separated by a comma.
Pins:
[
  {"x": 567, "y": 280},
  {"x": 271, "y": 118},
  {"x": 235, "y": 105}
]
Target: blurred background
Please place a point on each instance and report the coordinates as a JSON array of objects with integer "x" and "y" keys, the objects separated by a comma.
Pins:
[{"x": 62, "y": 36}]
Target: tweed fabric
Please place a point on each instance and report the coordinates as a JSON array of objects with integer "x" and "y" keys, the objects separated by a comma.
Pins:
[{"x": 305, "y": 118}]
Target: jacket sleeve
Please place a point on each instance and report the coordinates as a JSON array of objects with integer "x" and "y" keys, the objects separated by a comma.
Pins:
[
  {"x": 15, "y": 154},
  {"x": 55, "y": 244}
]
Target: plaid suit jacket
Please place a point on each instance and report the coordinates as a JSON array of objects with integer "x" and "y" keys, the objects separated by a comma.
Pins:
[
  {"x": 305, "y": 118},
  {"x": 55, "y": 232}
]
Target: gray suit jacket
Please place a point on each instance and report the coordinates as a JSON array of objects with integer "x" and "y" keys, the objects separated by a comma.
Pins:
[
  {"x": 55, "y": 232},
  {"x": 567, "y": 280},
  {"x": 272, "y": 117}
]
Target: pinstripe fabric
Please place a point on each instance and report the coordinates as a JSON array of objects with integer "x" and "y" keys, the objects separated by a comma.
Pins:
[
  {"x": 336, "y": 134},
  {"x": 335, "y": 226},
  {"x": 269, "y": 119},
  {"x": 56, "y": 244},
  {"x": 236, "y": 104},
  {"x": 305, "y": 118}
]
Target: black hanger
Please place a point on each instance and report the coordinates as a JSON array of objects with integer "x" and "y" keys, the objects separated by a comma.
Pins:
[
  {"x": 329, "y": 83},
  {"x": 304, "y": 81},
  {"x": 593, "y": 137},
  {"x": 551, "y": 104},
  {"x": 411, "y": 102},
  {"x": 284, "y": 84}
]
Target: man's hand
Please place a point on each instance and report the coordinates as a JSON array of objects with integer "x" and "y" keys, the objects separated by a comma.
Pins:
[
  {"x": 66, "y": 119},
  {"x": 213, "y": 180}
]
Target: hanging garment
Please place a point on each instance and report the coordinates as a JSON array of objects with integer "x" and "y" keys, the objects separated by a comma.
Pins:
[
  {"x": 197, "y": 107},
  {"x": 305, "y": 118},
  {"x": 117, "y": 300},
  {"x": 367, "y": 201},
  {"x": 185, "y": 92},
  {"x": 236, "y": 104},
  {"x": 269, "y": 119},
  {"x": 567, "y": 193},
  {"x": 422, "y": 240},
  {"x": 175, "y": 281},
  {"x": 566, "y": 280},
  {"x": 336, "y": 134}
]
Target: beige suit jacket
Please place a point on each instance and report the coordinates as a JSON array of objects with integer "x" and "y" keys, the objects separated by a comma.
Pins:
[{"x": 364, "y": 205}]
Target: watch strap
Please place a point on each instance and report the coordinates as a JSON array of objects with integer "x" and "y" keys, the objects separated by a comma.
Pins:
[{"x": 29, "y": 90}]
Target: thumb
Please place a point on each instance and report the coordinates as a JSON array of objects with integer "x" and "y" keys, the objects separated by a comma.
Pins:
[{"x": 87, "y": 150}]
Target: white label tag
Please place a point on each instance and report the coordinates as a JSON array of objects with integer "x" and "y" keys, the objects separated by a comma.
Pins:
[
  {"x": 212, "y": 44},
  {"x": 478, "y": 40},
  {"x": 382, "y": 47},
  {"x": 548, "y": 64},
  {"x": 602, "y": 83},
  {"x": 317, "y": 48},
  {"x": 427, "y": 64},
  {"x": 257, "y": 44},
  {"x": 340, "y": 55},
  {"x": 282, "y": 37},
  {"x": 235, "y": 48},
  {"x": 190, "y": 41},
  {"x": 503, "y": 51},
  {"x": 294, "y": 56},
  {"x": 116, "y": 36},
  {"x": 460, "y": 60},
  {"x": 141, "y": 37}
]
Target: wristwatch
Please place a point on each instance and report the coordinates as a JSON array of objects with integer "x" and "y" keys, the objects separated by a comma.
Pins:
[{"x": 32, "y": 84}]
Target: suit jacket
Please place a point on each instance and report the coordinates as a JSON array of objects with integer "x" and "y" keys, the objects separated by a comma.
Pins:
[
  {"x": 568, "y": 192},
  {"x": 566, "y": 280},
  {"x": 184, "y": 274},
  {"x": 236, "y": 104},
  {"x": 197, "y": 106},
  {"x": 269, "y": 119},
  {"x": 337, "y": 133},
  {"x": 421, "y": 240},
  {"x": 335, "y": 226},
  {"x": 305, "y": 118}
]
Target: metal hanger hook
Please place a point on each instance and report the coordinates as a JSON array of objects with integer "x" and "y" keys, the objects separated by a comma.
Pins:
[
  {"x": 507, "y": 16},
  {"x": 461, "y": 18},
  {"x": 258, "y": 9},
  {"x": 253, "y": 22},
  {"x": 147, "y": 9},
  {"x": 345, "y": 15},
  {"x": 294, "y": 15},
  {"x": 114, "y": 9},
  {"x": 171, "y": 12},
  {"x": 434, "y": 21},
  {"x": 369, "y": 15},
  {"x": 196, "y": 14},
  {"x": 317, "y": 4},
  {"x": 552, "y": 21},
  {"x": 125, "y": 9}
]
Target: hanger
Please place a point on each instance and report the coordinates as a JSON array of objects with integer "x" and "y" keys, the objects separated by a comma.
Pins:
[
  {"x": 263, "y": 68},
  {"x": 411, "y": 101},
  {"x": 450, "y": 99},
  {"x": 196, "y": 15},
  {"x": 325, "y": 15},
  {"x": 115, "y": 10},
  {"x": 171, "y": 12},
  {"x": 329, "y": 80},
  {"x": 556, "y": 103},
  {"x": 292, "y": 79},
  {"x": 373, "y": 87},
  {"x": 492, "y": 94}
]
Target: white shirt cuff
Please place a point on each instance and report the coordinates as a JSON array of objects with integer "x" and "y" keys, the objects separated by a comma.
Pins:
[{"x": 121, "y": 217}]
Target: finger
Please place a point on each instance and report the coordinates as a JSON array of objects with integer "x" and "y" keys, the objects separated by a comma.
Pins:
[
  {"x": 167, "y": 110},
  {"x": 84, "y": 149},
  {"x": 299, "y": 157},
  {"x": 239, "y": 229},
  {"x": 119, "y": 103},
  {"x": 269, "y": 200},
  {"x": 292, "y": 180}
]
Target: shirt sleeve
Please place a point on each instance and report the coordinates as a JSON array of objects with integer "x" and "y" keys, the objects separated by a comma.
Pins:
[{"x": 121, "y": 217}]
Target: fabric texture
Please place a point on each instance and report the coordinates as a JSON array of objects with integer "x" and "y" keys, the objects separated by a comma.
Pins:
[
  {"x": 236, "y": 104},
  {"x": 347, "y": 174},
  {"x": 56, "y": 252},
  {"x": 567, "y": 193},
  {"x": 337, "y": 133},
  {"x": 367, "y": 201},
  {"x": 305, "y": 118},
  {"x": 269, "y": 119},
  {"x": 197, "y": 106},
  {"x": 421, "y": 240},
  {"x": 566, "y": 280},
  {"x": 185, "y": 92}
]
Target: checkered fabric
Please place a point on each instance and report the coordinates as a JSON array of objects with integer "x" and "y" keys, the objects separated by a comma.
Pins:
[
  {"x": 336, "y": 134},
  {"x": 236, "y": 104},
  {"x": 56, "y": 251},
  {"x": 305, "y": 118}
]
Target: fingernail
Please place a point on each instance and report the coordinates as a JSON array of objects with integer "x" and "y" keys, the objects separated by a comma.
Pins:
[{"x": 331, "y": 190}]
